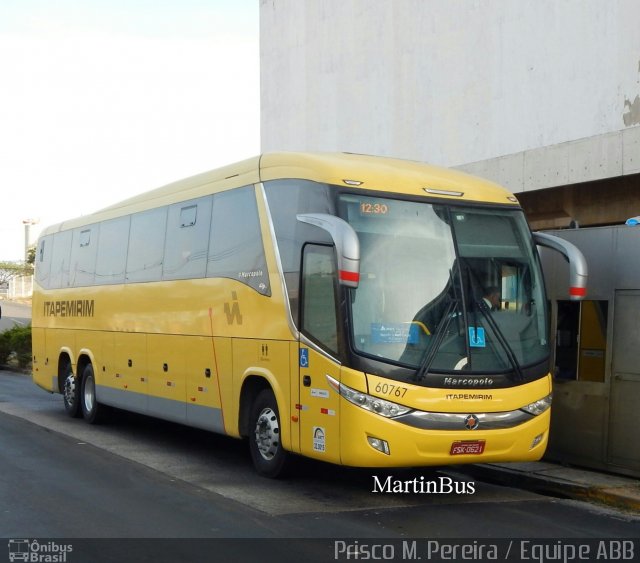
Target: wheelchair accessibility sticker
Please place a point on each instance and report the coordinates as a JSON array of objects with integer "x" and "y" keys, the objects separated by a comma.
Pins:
[
  {"x": 476, "y": 337},
  {"x": 304, "y": 357}
]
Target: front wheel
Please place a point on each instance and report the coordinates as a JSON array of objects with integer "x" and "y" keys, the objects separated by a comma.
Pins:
[
  {"x": 265, "y": 444},
  {"x": 92, "y": 411}
]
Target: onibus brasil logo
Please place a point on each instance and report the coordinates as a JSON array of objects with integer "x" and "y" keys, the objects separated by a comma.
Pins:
[{"x": 39, "y": 551}]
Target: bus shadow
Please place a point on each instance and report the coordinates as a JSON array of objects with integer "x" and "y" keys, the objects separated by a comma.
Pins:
[{"x": 231, "y": 454}]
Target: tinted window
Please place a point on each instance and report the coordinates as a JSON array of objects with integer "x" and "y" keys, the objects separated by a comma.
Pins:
[
  {"x": 43, "y": 260},
  {"x": 60, "y": 260},
  {"x": 235, "y": 248},
  {"x": 84, "y": 249},
  {"x": 146, "y": 245},
  {"x": 112, "y": 251},
  {"x": 286, "y": 199},
  {"x": 319, "y": 296},
  {"x": 187, "y": 239}
]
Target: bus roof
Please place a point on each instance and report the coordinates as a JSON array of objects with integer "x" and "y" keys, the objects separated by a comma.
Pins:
[
  {"x": 381, "y": 173},
  {"x": 342, "y": 169}
]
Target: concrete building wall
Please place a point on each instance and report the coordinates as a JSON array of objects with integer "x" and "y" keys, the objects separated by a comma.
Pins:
[
  {"x": 542, "y": 96},
  {"x": 531, "y": 93}
]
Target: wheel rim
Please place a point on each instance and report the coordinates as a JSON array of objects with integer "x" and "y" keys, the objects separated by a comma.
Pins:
[
  {"x": 70, "y": 390},
  {"x": 89, "y": 394},
  {"x": 267, "y": 434}
]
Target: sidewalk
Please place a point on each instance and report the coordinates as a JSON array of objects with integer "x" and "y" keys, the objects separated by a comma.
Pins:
[{"x": 568, "y": 482}]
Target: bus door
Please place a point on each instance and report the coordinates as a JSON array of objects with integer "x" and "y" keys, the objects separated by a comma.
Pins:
[{"x": 319, "y": 407}]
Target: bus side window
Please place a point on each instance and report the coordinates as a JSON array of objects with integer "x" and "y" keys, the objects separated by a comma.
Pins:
[
  {"x": 83, "y": 256},
  {"x": 236, "y": 250},
  {"x": 43, "y": 263},
  {"x": 60, "y": 260},
  {"x": 146, "y": 245},
  {"x": 112, "y": 250},
  {"x": 286, "y": 199},
  {"x": 319, "y": 320},
  {"x": 188, "y": 228}
]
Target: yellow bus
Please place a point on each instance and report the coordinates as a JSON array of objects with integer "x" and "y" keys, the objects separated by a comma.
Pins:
[{"x": 358, "y": 310}]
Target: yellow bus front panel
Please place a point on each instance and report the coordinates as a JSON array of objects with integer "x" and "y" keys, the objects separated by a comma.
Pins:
[{"x": 410, "y": 447}]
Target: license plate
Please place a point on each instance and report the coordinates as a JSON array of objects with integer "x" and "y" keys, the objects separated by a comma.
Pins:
[{"x": 467, "y": 447}]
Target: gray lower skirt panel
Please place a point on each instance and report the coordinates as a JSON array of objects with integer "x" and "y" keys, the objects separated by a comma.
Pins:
[{"x": 199, "y": 416}]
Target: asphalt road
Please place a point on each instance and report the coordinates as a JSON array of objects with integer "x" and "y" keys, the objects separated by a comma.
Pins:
[
  {"x": 136, "y": 477},
  {"x": 14, "y": 313}
]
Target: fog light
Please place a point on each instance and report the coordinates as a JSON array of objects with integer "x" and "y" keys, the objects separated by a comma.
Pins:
[
  {"x": 536, "y": 441},
  {"x": 378, "y": 444}
]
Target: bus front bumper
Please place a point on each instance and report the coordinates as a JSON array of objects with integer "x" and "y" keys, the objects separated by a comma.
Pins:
[{"x": 370, "y": 440}]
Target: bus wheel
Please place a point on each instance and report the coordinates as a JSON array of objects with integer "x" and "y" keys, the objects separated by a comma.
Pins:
[
  {"x": 92, "y": 411},
  {"x": 70, "y": 392},
  {"x": 268, "y": 456}
]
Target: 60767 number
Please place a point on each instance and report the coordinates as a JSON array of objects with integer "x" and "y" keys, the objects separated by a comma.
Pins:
[{"x": 391, "y": 390}]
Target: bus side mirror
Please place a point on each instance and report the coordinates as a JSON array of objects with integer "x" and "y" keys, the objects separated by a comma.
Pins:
[
  {"x": 346, "y": 242},
  {"x": 577, "y": 263}
]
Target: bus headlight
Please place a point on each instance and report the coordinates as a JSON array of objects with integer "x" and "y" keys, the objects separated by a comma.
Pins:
[
  {"x": 370, "y": 403},
  {"x": 538, "y": 407}
]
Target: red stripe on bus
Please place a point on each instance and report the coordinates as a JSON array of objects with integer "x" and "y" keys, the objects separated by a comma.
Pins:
[{"x": 578, "y": 291}]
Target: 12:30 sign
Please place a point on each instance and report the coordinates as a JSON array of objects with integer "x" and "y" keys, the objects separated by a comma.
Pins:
[{"x": 373, "y": 208}]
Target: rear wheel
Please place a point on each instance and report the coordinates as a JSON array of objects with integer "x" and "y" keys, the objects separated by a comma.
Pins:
[
  {"x": 70, "y": 391},
  {"x": 267, "y": 453},
  {"x": 92, "y": 411}
]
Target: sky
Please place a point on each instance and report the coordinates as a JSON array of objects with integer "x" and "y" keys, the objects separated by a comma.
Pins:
[{"x": 104, "y": 99}]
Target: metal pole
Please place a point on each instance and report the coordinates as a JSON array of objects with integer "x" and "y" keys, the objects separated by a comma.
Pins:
[{"x": 27, "y": 235}]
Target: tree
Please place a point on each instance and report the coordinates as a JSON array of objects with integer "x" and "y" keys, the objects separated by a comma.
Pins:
[
  {"x": 10, "y": 270},
  {"x": 31, "y": 256}
]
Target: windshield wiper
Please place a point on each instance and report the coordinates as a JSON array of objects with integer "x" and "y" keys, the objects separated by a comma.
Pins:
[
  {"x": 482, "y": 306},
  {"x": 438, "y": 337}
]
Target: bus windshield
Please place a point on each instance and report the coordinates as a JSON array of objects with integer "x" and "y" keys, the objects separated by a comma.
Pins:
[{"x": 446, "y": 288}]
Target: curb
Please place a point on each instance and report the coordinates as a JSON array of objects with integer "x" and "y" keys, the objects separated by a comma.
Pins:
[{"x": 624, "y": 496}]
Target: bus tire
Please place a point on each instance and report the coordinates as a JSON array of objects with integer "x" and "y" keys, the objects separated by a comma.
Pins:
[
  {"x": 70, "y": 391},
  {"x": 92, "y": 410},
  {"x": 268, "y": 455}
]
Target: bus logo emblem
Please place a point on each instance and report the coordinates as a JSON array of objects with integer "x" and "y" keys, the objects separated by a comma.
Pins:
[
  {"x": 471, "y": 422},
  {"x": 233, "y": 310}
]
